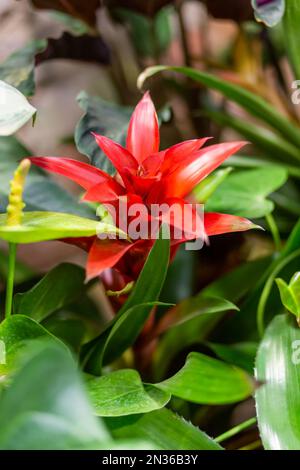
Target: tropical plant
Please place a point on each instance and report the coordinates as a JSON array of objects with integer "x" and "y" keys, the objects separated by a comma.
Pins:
[{"x": 145, "y": 344}]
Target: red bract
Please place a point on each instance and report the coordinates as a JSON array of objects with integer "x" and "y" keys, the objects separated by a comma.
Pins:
[{"x": 147, "y": 176}]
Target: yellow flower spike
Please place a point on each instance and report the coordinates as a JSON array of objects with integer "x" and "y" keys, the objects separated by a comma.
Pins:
[{"x": 16, "y": 205}]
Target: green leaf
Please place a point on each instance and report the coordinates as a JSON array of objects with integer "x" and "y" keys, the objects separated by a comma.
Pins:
[
  {"x": 165, "y": 429},
  {"x": 238, "y": 282},
  {"x": 269, "y": 142},
  {"x": 239, "y": 354},
  {"x": 18, "y": 68},
  {"x": 15, "y": 334},
  {"x": 122, "y": 393},
  {"x": 105, "y": 118},
  {"x": 264, "y": 296},
  {"x": 87, "y": 310},
  {"x": 251, "y": 102},
  {"x": 248, "y": 161},
  {"x": 41, "y": 193},
  {"x": 2, "y": 352},
  {"x": 15, "y": 110},
  {"x": 42, "y": 226},
  {"x": 150, "y": 36},
  {"x": 189, "y": 323},
  {"x": 123, "y": 330},
  {"x": 58, "y": 288},
  {"x": 70, "y": 331},
  {"x": 53, "y": 415},
  {"x": 278, "y": 399},
  {"x": 244, "y": 193},
  {"x": 290, "y": 294},
  {"x": 270, "y": 13},
  {"x": 208, "y": 186},
  {"x": 292, "y": 34},
  {"x": 208, "y": 381},
  {"x": 74, "y": 25},
  {"x": 180, "y": 279}
]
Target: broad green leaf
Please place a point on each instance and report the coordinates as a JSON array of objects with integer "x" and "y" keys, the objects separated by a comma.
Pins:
[
  {"x": 122, "y": 393},
  {"x": 180, "y": 279},
  {"x": 287, "y": 199},
  {"x": 2, "y": 352},
  {"x": 15, "y": 334},
  {"x": 208, "y": 381},
  {"x": 105, "y": 118},
  {"x": 70, "y": 331},
  {"x": 209, "y": 185},
  {"x": 164, "y": 428},
  {"x": 239, "y": 354},
  {"x": 86, "y": 309},
  {"x": 251, "y": 102},
  {"x": 41, "y": 193},
  {"x": 150, "y": 36},
  {"x": 264, "y": 294},
  {"x": 190, "y": 322},
  {"x": 58, "y": 288},
  {"x": 278, "y": 398},
  {"x": 122, "y": 333},
  {"x": 269, "y": 12},
  {"x": 45, "y": 407},
  {"x": 292, "y": 34},
  {"x": 238, "y": 282},
  {"x": 247, "y": 161},
  {"x": 42, "y": 226},
  {"x": 15, "y": 110},
  {"x": 18, "y": 68},
  {"x": 245, "y": 193},
  {"x": 123, "y": 330},
  {"x": 272, "y": 144},
  {"x": 290, "y": 294},
  {"x": 78, "y": 322}
]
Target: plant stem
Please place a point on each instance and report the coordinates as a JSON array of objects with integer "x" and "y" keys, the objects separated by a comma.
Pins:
[
  {"x": 10, "y": 278},
  {"x": 267, "y": 289},
  {"x": 274, "y": 231},
  {"x": 184, "y": 40},
  {"x": 235, "y": 430}
]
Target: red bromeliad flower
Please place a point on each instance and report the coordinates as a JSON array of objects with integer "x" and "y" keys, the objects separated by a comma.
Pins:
[{"x": 146, "y": 176}]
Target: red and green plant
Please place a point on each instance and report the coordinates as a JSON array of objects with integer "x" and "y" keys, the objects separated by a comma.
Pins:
[{"x": 142, "y": 344}]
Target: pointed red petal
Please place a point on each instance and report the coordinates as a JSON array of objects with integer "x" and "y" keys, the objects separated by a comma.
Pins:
[
  {"x": 84, "y": 243},
  {"x": 193, "y": 170},
  {"x": 141, "y": 184},
  {"x": 183, "y": 217},
  {"x": 120, "y": 157},
  {"x": 216, "y": 224},
  {"x": 152, "y": 164},
  {"x": 105, "y": 254},
  {"x": 103, "y": 192},
  {"x": 179, "y": 152},
  {"x": 143, "y": 131},
  {"x": 83, "y": 174}
]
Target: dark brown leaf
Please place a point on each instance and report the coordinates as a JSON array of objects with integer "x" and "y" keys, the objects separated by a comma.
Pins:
[
  {"x": 146, "y": 7},
  {"x": 85, "y": 48},
  {"x": 237, "y": 10}
]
